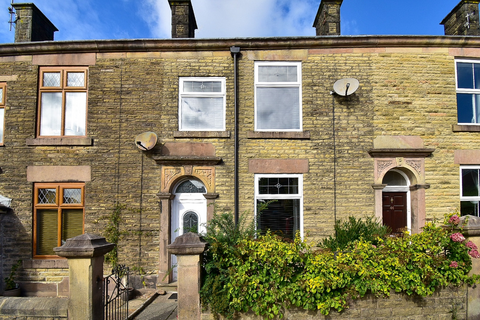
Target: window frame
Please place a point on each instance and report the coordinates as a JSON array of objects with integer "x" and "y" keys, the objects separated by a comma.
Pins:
[
  {"x": 298, "y": 196},
  {"x": 3, "y": 86},
  {"x": 296, "y": 84},
  {"x": 474, "y": 92},
  {"x": 182, "y": 94},
  {"x": 59, "y": 206},
  {"x": 469, "y": 198},
  {"x": 63, "y": 88}
]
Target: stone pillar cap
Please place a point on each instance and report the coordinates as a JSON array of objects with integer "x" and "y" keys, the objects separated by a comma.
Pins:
[
  {"x": 187, "y": 244},
  {"x": 84, "y": 246}
]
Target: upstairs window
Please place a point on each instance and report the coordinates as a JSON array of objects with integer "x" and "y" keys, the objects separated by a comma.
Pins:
[
  {"x": 278, "y": 96},
  {"x": 283, "y": 195},
  {"x": 58, "y": 215},
  {"x": 468, "y": 92},
  {"x": 3, "y": 92},
  {"x": 202, "y": 104},
  {"x": 470, "y": 190},
  {"x": 62, "y": 102}
]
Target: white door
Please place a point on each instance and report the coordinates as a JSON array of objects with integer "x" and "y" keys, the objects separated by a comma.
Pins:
[{"x": 189, "y": 212}]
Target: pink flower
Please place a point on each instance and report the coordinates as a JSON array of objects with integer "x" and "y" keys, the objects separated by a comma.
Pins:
[
  {"x": 474, "y": 253},
  {"x": 454, "y": 264},
  {"x": 457, "y": 237},
  {"x": 471, "y": 245},
  {"x": 374, "y": 246},
  {"x": 454, "y": 220}
]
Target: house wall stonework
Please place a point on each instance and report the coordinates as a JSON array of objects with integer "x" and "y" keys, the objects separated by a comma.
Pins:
[
  {"x": 406, "y": 89},
  {"x": 444, "y": 304}
]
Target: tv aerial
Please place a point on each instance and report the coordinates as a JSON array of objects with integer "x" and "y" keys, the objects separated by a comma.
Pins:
[
  {"x": 146, "y": 141},
  {"x": 12, "y": 13},
  {"x": 345, "y": 87}
]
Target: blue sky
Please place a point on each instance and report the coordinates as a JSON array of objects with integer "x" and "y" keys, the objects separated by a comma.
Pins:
[{"x": 139, "y": 19}]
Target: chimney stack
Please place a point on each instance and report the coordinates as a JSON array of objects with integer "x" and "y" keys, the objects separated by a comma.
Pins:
[
  {"x": 327, "y": 21},
  {"x": 31, "y": 24},
  {"x": 183, "y": 19},
  {"x": 463, "y": 19}
]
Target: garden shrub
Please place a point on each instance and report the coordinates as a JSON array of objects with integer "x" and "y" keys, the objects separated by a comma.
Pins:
[
  {"x": 352, "y": 229},
  {"x": 268, "y": 274}
]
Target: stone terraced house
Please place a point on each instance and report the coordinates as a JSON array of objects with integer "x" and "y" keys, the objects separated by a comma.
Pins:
[{"x": 167, "y": 131}]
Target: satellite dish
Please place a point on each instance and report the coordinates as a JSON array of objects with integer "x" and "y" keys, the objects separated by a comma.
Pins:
[
  {"x": 146, "y": 141},
  {"x": 345, "y": 87}
]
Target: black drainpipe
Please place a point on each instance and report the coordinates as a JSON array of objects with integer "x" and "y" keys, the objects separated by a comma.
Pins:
[{"x": 235, "y": 51}]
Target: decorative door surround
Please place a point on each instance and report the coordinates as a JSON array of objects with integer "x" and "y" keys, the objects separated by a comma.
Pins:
[{"x": 170, "y": 176}]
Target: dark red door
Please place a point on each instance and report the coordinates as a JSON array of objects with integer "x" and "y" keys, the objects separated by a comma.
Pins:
[{"x": 395, "y": 210}]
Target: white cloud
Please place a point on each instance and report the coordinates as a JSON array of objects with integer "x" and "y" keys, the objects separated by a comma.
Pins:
[
  {"x": 350, "y": 27},
  {"x": 157, "y": 14},
  {"x": 74, "y": 21},
  {"x": 238, "y": 18}
]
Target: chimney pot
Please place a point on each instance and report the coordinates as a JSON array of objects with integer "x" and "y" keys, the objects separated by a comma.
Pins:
[
  {"x": 32, "y": 24},
  {"x": 327, "y": 21},
  {"x": 183, "y": 19},
  {"x": 463, "y": 20}
]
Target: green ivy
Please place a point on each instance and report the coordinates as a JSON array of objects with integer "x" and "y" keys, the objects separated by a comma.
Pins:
[
  {"x": 268, "y": 274},
  {"x": 113, "y": 234}
]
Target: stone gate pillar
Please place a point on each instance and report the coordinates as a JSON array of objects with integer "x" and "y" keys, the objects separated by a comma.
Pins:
[
  {"x": 85, "y": 261},
  {"x": 188, "y": 248}
]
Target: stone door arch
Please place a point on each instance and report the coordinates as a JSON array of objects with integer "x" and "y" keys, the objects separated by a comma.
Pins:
[{"x": 171, "y": 177}]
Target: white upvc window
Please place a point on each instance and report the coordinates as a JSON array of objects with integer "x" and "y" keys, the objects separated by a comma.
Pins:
[
  {"x": 202, "y": 104},
  {"x": 469, "y": 190},
  {"x": 278, "y": 96},
  {"x": 3, "y": 91},
  {"x": 468, "y": 91},
  {"x": 284, "y": 195}
]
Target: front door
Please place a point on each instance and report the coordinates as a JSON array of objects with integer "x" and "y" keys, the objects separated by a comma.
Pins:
[
  {"x": 189, "y": 213},
  {"x": 394, "y": 206}
]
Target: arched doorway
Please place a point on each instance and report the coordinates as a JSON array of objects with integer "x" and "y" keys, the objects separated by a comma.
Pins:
[
  {"x": 396, "y": 202},
  {"x": 189, "y": 212}
]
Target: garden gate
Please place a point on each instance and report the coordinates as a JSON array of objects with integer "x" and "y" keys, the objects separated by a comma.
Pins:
[{"x": 115, "y": 294}]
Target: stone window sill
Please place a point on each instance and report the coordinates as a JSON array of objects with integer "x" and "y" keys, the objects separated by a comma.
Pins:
[
  {"x": 304, "y": 135},
  {"x": 187, "y": 160},
  {"x": 63, "y": 141},
  {"x": 465, "y": 128},
  {"x": 201, "y": 134}
]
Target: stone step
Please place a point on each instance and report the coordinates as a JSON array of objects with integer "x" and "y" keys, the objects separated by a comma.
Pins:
[{"x": 167, "y": 287}]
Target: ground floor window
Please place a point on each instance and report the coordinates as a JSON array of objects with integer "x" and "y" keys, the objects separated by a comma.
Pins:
[
  {"x": 58, "y": 215},
  {"x": 469, "y": 190},
  {"x": 282, "y": 197}
]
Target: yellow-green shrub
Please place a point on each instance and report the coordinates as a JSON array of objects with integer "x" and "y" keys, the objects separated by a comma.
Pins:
[{"x": 267, "y": 275}]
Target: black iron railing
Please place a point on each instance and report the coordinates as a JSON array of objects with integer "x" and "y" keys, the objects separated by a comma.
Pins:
[{"x": 115, "y": 294}]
